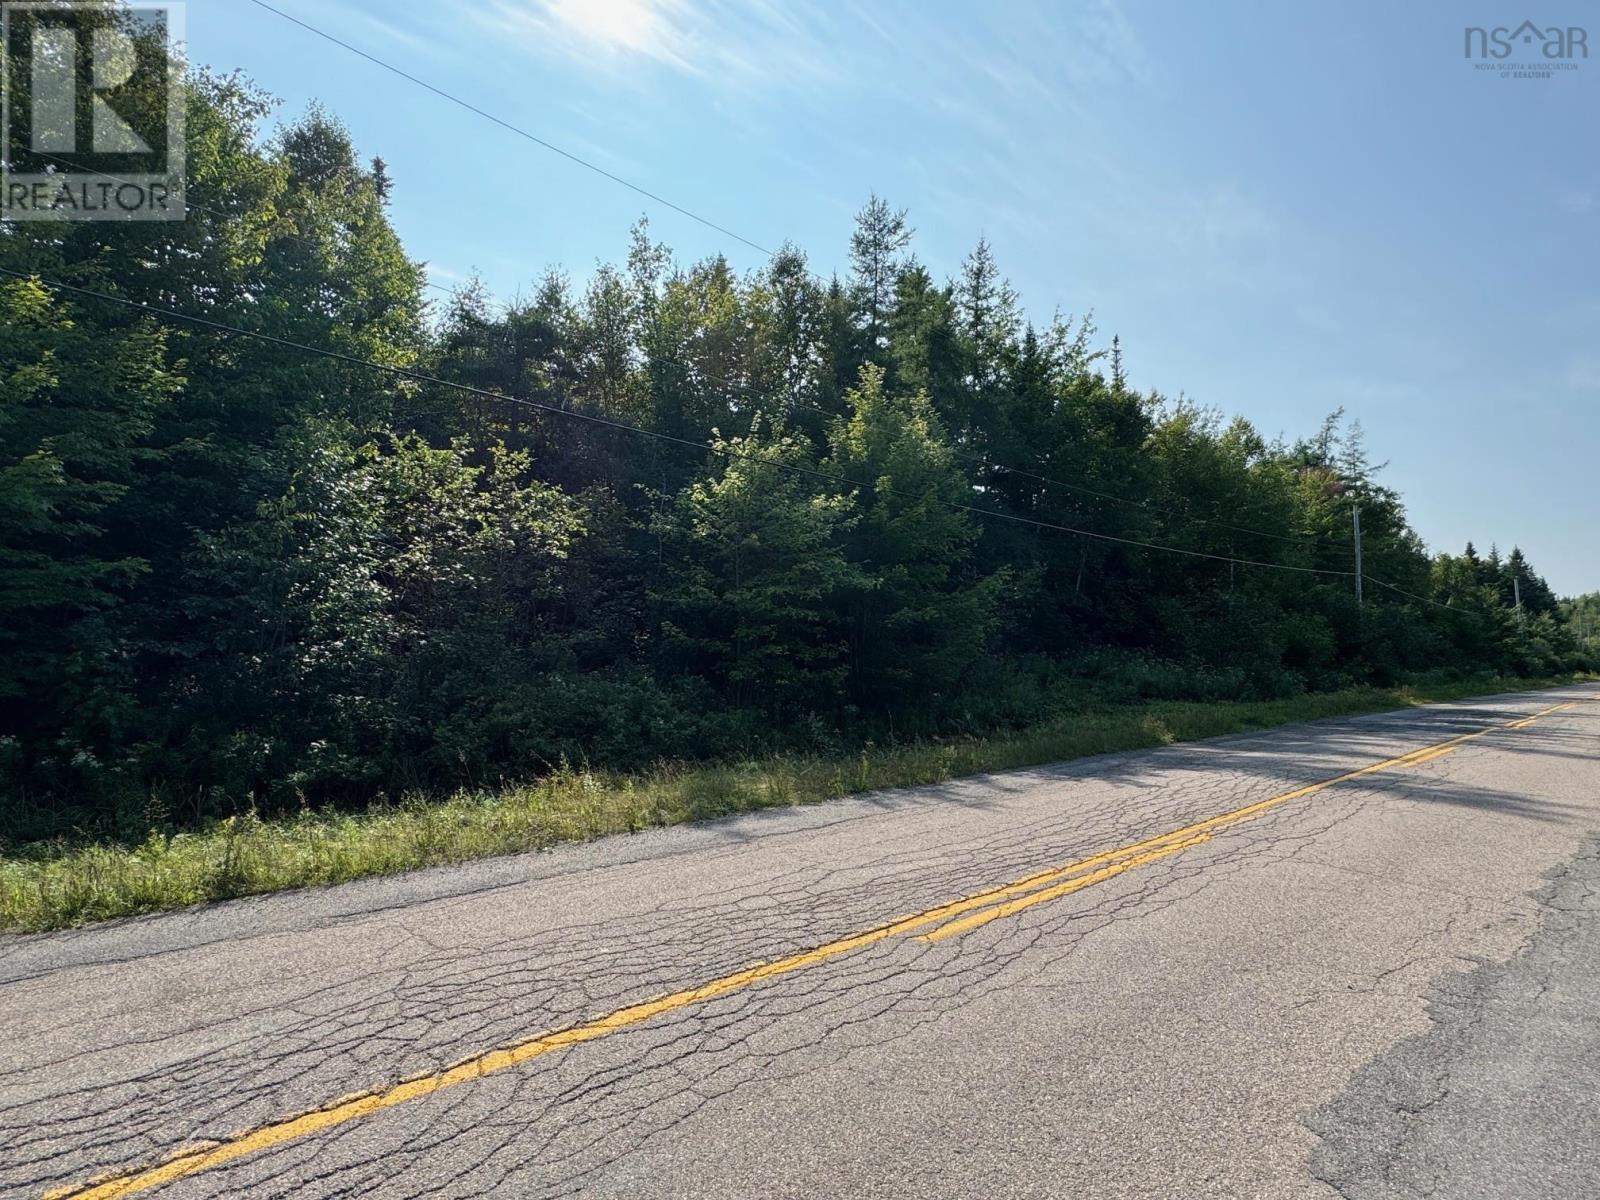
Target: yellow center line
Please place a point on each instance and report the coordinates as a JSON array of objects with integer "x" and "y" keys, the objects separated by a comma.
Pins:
[
  {"x": 1430, "y": 755},
  {"x": 1193, "y": 835},
  {"x": 1012, "y": 907},
  {"x": 997, "y": 902}
]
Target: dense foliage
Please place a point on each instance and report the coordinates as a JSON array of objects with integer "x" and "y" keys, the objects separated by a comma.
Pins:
[{"x": 236, "y": 574}]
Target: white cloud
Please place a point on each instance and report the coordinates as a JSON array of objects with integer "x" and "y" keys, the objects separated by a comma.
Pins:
[
  {"x": 763, "y": 44},
  {"x": 361, "y": 20},
  {"x": 652, "y": 28}
]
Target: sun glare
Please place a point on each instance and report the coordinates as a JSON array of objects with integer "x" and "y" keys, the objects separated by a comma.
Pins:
[{"x": 626, "y": 24}]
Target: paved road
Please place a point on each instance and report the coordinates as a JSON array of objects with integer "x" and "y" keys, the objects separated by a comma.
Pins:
[{"x": 1200, "y": 971}]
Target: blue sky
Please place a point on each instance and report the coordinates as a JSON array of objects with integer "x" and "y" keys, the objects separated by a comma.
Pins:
[{"x": 1281, "y": 208}]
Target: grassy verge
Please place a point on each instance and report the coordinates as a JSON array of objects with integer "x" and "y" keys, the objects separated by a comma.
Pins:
[{"x": 54, "y": 885}]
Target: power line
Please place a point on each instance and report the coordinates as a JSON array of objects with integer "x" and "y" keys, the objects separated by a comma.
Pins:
[
  {"x": 978, "y": 459},
  {"x": 1424, "y": 599},
  {"x": 1140, "y": 504},
  {"x": 516, "y": 129},
  {"x": 622, "y": 426},
  {"x": 545, "y": 144},
  {"x": 730, "y": 386},
  {"x": 710, "y": 224}
]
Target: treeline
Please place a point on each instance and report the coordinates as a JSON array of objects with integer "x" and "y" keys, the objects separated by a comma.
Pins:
[
  {"x": 236, "y": 573},
  {"x": 1582, "y": 615}
]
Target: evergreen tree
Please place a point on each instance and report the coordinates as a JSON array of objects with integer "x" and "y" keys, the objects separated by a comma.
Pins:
[
  {"x": 77, "y": 407},
  {"x": 233, "y": 572},
  {"x": 990, "y": 314},
  {"x": 788, "y": 311},
  {"x": 877, "y": 248},
  {"x": 924, "y": 350},
  {"x": 751, "y": 599},
  {"x": 925, "y": 618}
]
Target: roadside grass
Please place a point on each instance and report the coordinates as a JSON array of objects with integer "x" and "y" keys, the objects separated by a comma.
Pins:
[{"x": 57, "y": 884}]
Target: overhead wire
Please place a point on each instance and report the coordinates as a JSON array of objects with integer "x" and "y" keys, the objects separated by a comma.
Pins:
[
  {"x": 982, "y": 460},
  {"x": 623, "y": 426},
  {"x": 683, "y": 210}
]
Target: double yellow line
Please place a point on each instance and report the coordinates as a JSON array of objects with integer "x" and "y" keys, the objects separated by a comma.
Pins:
[
  {"x": 1115, "y": 862},
  {"x": 932, "y": 925}
]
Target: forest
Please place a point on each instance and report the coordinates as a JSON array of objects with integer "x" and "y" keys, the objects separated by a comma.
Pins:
[{"x": 286, "y": 526}]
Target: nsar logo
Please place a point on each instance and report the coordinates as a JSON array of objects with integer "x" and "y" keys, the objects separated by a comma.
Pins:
[{"x": 1553, "y": 41}]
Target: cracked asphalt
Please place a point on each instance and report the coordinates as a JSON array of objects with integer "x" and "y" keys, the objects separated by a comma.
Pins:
[
  {"x": 1380, "y": 987},
  {"x": 1496, "y": 1101}
]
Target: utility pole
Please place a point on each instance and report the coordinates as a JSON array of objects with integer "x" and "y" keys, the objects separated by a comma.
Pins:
[
  {"x": 1355, "y": 513},
  {"x": 1516, "y": 590}
]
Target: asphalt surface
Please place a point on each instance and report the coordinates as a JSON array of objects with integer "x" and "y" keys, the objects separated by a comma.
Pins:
[
  {"x": 1219, "y": 978},
  {"x": 1498, "y": 1099}
]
